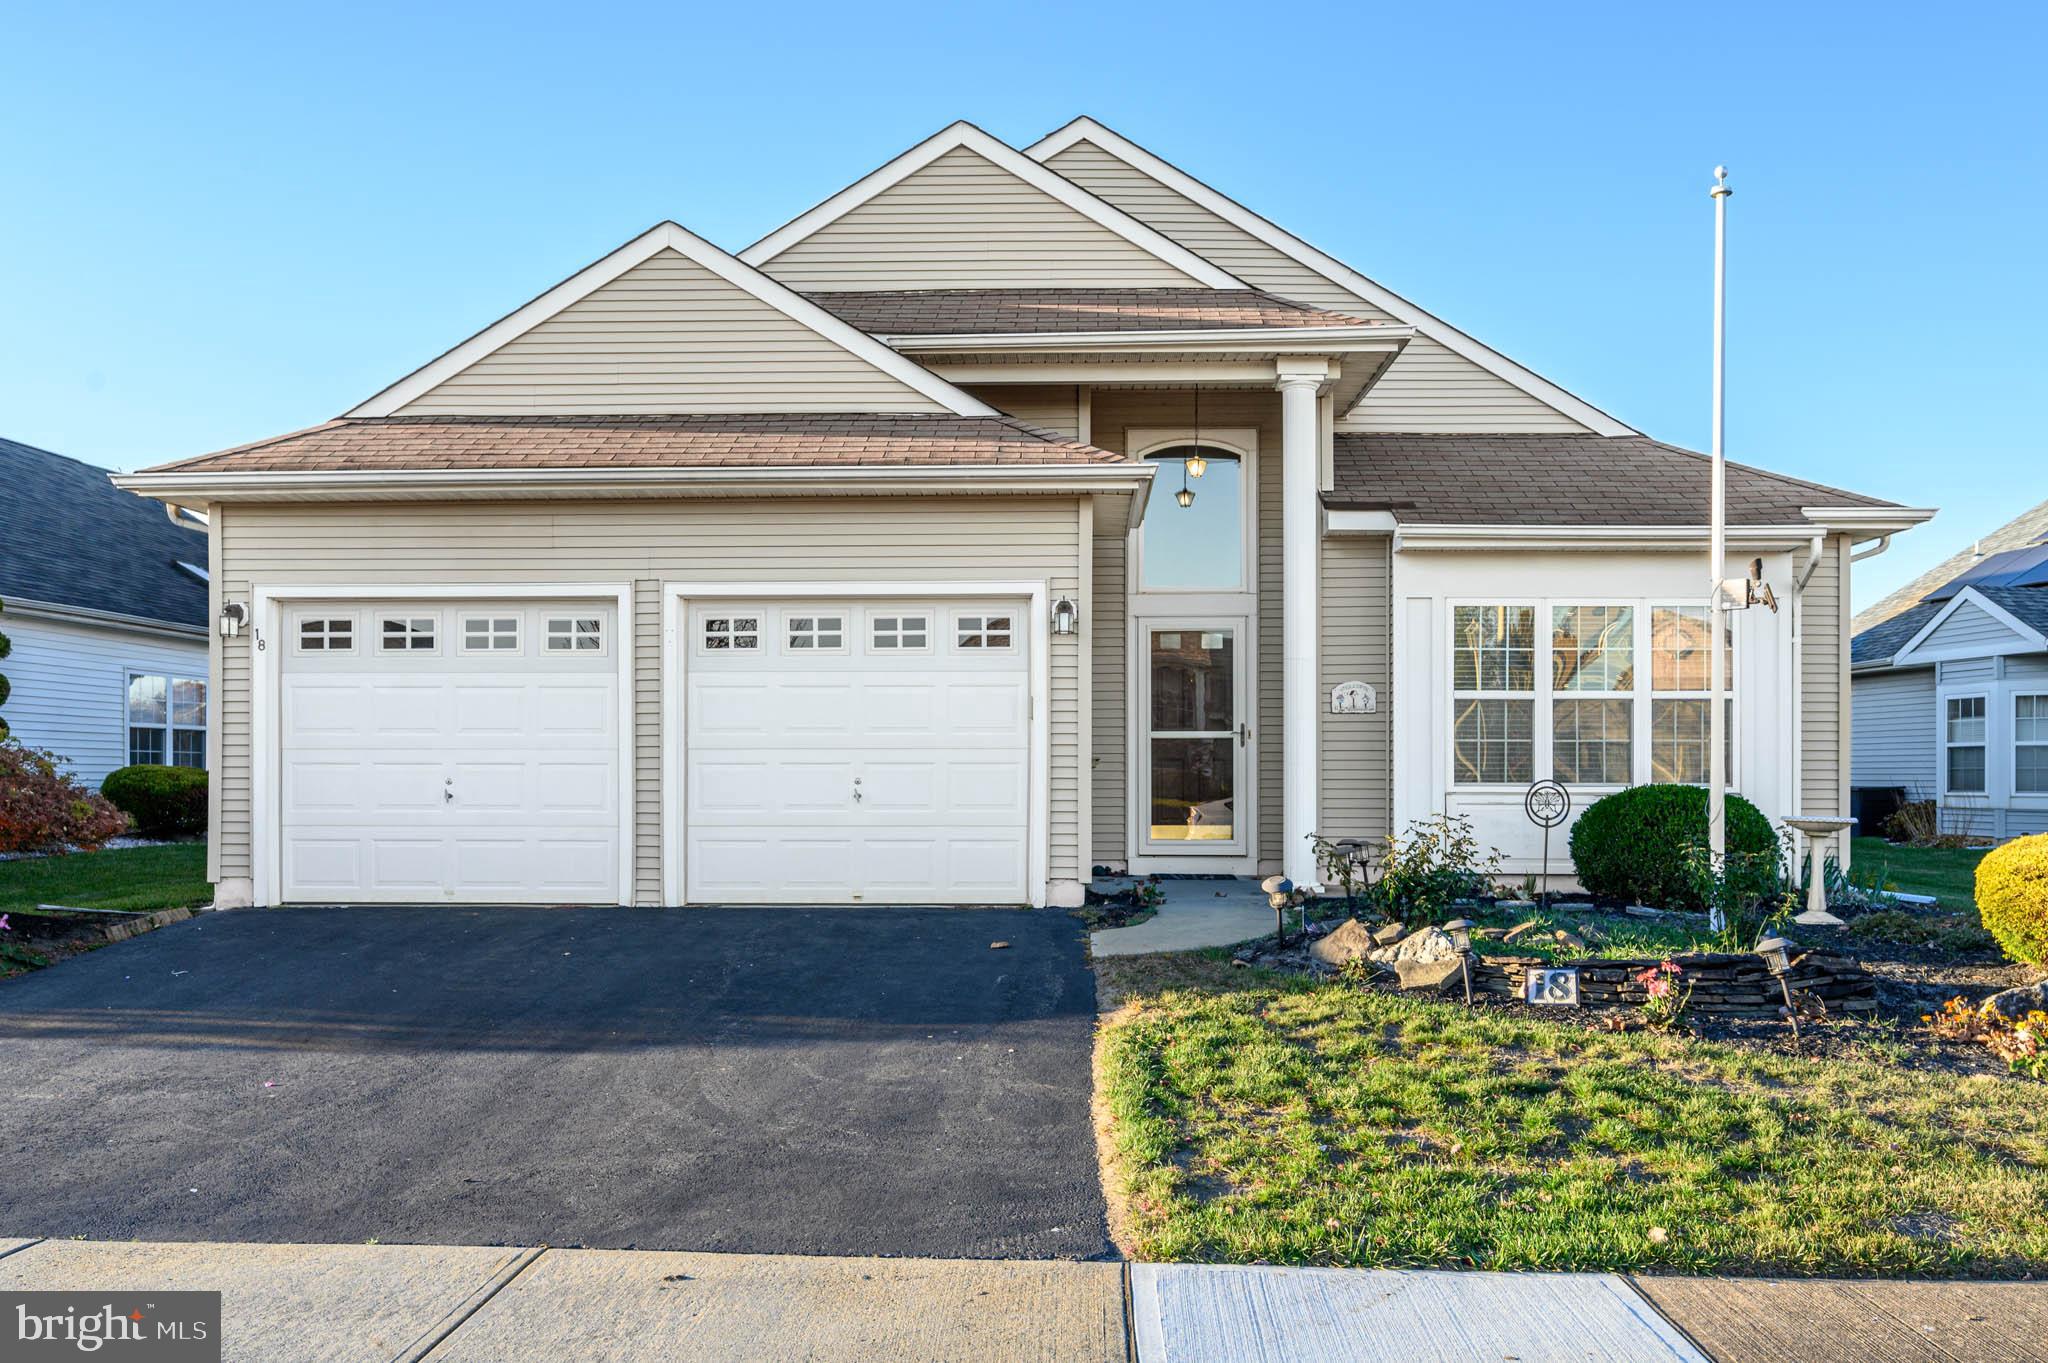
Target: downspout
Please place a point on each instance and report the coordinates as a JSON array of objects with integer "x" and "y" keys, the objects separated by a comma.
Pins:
[{"x": 1884, "y": 542}]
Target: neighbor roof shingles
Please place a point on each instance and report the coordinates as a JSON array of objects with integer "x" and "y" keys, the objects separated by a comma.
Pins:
[
  {"x": 451, "y": 443},
  {"x": 978, "y": 312},
  {"x": 1558, "y": 480}
]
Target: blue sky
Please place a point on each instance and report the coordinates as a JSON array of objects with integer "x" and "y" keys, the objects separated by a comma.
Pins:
[{"x": 226, "y": 222}]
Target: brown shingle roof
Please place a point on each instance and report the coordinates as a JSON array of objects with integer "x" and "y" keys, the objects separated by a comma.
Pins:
[
  {"x": 784, "y": 440},
  {"x": 1558, "y": 480},
  {"x": 974, "y": 312}
]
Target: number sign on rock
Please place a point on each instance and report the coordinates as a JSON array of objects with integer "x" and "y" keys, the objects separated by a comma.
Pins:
[{"x": 1557, "y": 986}]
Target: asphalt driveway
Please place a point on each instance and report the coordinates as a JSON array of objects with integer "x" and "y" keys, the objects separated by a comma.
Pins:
[{"x": 809, "y": 1081}]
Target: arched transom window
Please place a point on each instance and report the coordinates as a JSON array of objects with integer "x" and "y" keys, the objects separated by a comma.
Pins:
[{"x": 1193, "y": 537}]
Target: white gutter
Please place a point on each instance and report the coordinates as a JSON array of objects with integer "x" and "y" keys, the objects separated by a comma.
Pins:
[
  {"x": 85, "y": 615},
  {"x": 1585, "y": 537},
  {"x": 1291, "y": 339},
  {"x": 1867, "y": 521},
  {"x": 1884, "y": 542}
]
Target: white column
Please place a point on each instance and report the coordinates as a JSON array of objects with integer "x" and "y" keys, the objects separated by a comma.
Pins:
[{"x": 1300, "y": 384}]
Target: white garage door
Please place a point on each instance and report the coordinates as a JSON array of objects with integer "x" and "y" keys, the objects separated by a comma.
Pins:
[
  {"x": 857, "y": 752},
  {"x": 450, "y": 752}
]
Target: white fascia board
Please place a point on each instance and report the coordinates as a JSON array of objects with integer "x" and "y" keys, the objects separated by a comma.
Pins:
[
  {"x": 1086, "y": 129},
  {"x": 500, "y": 483},
  {"x": 1359, "y": 523},
  {"x": 1910, "y": 651},
  {"x": 1293, "y": 340},
  {"x": 965, "y": 134},
  {"x": 669, "y": 236},
  {"x": 1574, "y": 538}
]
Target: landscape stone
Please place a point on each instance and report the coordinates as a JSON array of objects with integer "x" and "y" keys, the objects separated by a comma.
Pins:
[
  {"x": 1643, "y": 911},
  {"x": 1570, "y": 939},
  {"x": 2017, "y": 1003},
  {"x": 1521, "y": 930},
  {"x": 1429, "y": 974},
  {"x": 1424, "y": 944},
  {"x": 1389, "y": 934},
  {"x": 1350, "y": 941},
  {"x": 1490, "y": 934}
]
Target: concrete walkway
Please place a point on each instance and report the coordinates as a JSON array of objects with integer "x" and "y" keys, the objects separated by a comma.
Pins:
[
  {"x": 439, "y": 1304},
  {"x": 1196, "y": 914}
]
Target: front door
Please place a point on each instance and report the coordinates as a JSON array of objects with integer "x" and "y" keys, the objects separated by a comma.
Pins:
[{"x": 1194, "y": 762}]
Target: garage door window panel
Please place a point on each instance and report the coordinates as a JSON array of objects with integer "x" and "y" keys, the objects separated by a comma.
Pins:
[
  {"x": 815, "y": 633},
  {"x": 490, "y": 634},
  {"x": 730, "y": 633},
  {"x": 409, "y": 634},
  {"x": 327, "y": 634},
  {"x": 900, "y": 634},
  {"x": 983, "y": 633}
]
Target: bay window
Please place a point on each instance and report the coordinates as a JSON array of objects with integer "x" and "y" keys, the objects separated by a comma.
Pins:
[
  {"x": 166, "y": 720},
  {"x": 2030, "y": 745}
]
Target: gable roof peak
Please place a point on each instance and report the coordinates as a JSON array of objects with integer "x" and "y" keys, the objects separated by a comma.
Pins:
[
  {"x": 669, "y": 235},
  {"x": 961, "y": 134}
]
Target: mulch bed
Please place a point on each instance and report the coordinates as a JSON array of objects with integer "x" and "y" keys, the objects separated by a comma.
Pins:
[{"x": 56, "y": 935}]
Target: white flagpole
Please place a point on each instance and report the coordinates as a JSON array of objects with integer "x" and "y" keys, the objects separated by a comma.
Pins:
[{"x": 1717, "y": 534}]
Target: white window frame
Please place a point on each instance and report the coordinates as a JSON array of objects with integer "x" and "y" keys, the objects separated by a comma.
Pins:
[
  {"x": 400, "y": 644},
  {"x": 326, "y": 620},
  {"x": 928, "y": 627},
  {"x": 2041, "y": 698},
  {"x": 1646, "y": 678},
  {"x": 1948, "y": 743},
  {"x": 982, "y": 631},
  {"x": 489, "y": 619},
  {"x": 548, "y": 635},
  {"x": 764, "y": 621},
  {"x": 271, "y": 607},
  {"x": 1242, "y": 441},
  {"x": 170, "y": 727},
  {"x": 1538, "y": 696},
  {"x": 841, "y": 622}
]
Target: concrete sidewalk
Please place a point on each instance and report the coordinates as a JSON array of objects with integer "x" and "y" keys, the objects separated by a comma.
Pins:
[{"x": 438, "y": 1304}]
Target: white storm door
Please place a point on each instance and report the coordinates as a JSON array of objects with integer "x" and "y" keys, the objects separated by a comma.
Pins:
[
  {"x": 450, "y": 752},
  {"x": 1192, "y": 765},
  {"x": 866, "y": 751}
]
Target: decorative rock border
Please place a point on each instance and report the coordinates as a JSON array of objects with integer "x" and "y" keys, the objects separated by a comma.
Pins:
[{"x": 1723, "y": 984}]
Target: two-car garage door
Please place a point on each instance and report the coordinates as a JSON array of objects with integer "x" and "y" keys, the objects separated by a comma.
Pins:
[{"x": 837, "y": 751}]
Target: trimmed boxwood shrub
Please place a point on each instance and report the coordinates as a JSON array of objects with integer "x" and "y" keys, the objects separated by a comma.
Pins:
[
  {"x": 2012, "y": 897},
  {"x": 1633, "y": 845},
  {"x": 165, "y": 802}
]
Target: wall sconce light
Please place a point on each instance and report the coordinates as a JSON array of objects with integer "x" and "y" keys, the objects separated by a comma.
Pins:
[
  {"x": 233, "y": 616},
  {"x": 1066, "y": 616}
]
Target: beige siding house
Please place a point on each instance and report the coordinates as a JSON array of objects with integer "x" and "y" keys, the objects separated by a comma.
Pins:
[{"x": 1010, "y": 514}]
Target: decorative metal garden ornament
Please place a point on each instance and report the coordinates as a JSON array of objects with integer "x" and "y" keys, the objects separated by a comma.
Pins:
[{"x": 1548, "y": 804}]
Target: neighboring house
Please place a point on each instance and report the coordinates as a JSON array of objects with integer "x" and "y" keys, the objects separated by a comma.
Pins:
[
  {"x": 1007, "y": 514},
  {"x": 1951, "y": 689},
  {"x": 106, "y": 605}
]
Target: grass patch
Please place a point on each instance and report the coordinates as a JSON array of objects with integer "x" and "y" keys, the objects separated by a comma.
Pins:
[
  {"x": 1947, "y": 873},
  {"x": 1281, "y": 1121},
  {"x": 141, "y": 878},
  {"x": 1609, "y": 936}
]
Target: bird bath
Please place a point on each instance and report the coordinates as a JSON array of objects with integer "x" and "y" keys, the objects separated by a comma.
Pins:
[{"x": 1818, "y": 829}]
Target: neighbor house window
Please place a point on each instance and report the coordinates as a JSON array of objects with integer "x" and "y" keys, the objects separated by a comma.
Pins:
[
  {"x": 490, "y": 634},
  {"x": 2030, "y": 745},
  {"x": 722, "y": 633},
  {"x": 1680, "y": 671},
  {"x": 983, "y": 631},
  {"x": 166, "y": 720},
  {"x": 1194, "y": 542},
  {"x": 1493, "y": 693},
  {"x": 327, "y": 634},
  {"x": 1963, "y": 736},
  {"x": 576, "y": 634},
  {"x": 407, "y": 634},
  {"x": 812, "y": 632},
  {"x": 1592, "y": 681},
  {"x": 896, "y": 632}
]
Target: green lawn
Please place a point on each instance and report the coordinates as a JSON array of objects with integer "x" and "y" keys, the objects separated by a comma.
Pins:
[
  {"x": 1279, "y": 1121},
  {"x": 1609, "y": 935},
  {"x": 1949, "y": 874},
  {"x": 166, "y": 877}
]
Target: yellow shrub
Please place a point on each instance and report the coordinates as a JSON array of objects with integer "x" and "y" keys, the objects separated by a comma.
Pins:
[{"x": 2012, "y": 897}]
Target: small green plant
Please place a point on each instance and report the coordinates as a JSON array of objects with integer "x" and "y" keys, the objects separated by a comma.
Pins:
[
  {"x": 1664, "y": 1002},
  {"x": 1749, "y": 888},
  {"x": 165, "y": 802},
  {"x": 1342, "y": 868},
  {"x": 1634, "y": 846},
  {"x": 1148, "y": 894},
  {"x": 2022, "y": 1044},
  {"x": 1426, "y": 870}
]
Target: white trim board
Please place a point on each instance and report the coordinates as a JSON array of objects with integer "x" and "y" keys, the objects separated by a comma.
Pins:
[
  {"x": 965, "y": 134},
  {"x": 670, "y": 236},
  {"x": 675, "y": 602},
  {"x": 266, "y": 824},
  {"x": 1086, "y": 129}
]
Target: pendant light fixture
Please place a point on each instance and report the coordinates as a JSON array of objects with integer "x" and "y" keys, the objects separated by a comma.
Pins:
[
  {"x": 1195, "y": 464},
  {"x": 1186, "y": 495}
]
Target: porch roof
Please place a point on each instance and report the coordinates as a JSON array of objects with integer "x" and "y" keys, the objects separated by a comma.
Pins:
[{"x": 1559, "y": 480}]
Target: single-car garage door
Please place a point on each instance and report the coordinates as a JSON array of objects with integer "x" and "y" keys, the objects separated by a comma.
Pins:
[
  {"x": 450, "y": 752},
  {"x": 857, "y": 752}
]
